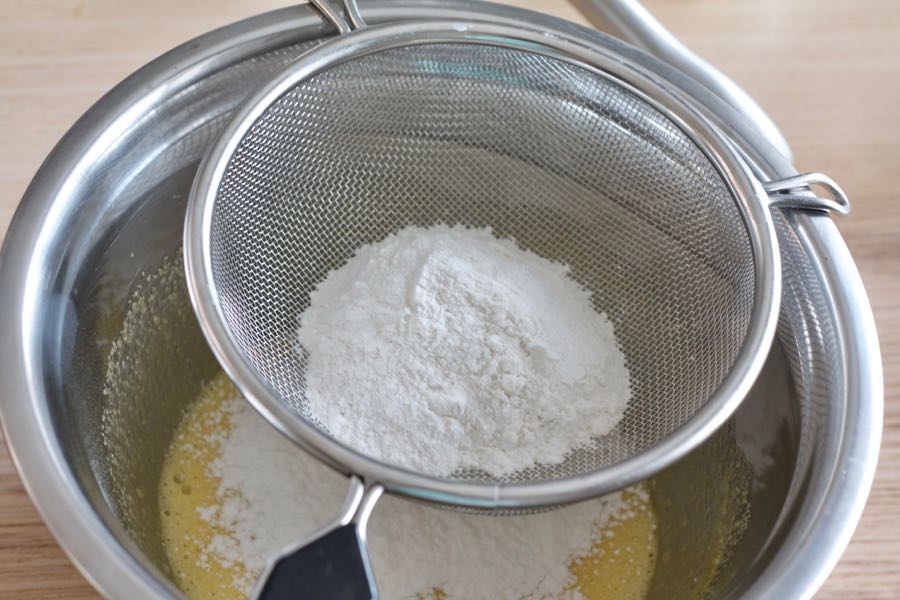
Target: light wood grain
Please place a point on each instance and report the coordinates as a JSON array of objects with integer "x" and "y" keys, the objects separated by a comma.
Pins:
[{"x": 828, "y": 73}]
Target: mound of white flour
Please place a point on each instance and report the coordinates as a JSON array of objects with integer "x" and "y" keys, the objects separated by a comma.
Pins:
[{"x": 444, "y": 348}]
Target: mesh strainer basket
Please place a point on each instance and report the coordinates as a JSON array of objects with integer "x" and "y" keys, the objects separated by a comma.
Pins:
[{"x": 576, "y": 153}]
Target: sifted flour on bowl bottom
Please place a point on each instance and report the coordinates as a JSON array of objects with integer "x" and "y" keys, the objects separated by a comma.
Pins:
[{"x": 234, "y": 493}]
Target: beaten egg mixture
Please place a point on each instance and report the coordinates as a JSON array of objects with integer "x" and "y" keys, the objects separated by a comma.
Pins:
[{"x": 619, "y": 565}]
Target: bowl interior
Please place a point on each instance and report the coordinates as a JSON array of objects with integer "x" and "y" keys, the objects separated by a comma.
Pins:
[{"x": 716, "y": 508}]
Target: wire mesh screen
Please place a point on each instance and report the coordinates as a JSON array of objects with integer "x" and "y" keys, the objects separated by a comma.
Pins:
[{"x": 572, "y": 165}]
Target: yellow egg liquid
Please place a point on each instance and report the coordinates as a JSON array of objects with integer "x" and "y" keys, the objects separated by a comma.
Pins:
[{"x": 619, "y": 566}]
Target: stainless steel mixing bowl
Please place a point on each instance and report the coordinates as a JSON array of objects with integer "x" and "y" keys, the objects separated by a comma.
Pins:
[{"x": 98, "y": 336}]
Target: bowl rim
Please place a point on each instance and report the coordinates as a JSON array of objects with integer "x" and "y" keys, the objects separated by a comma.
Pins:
[{"x": 31, "y": 251}]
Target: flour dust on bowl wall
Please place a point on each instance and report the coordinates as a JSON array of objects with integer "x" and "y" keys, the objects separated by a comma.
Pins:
[{"x": 145, "y": 461}]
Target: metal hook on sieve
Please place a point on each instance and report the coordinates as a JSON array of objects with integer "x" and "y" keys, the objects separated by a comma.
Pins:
[
  {"x": 333, "y": 15},
  {"x": 796, "y": 192}
]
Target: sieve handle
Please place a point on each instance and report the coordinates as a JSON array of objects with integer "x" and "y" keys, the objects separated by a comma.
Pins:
[
  {"x": 635, "y": 24},
  {"x": 334, "y": 563}
]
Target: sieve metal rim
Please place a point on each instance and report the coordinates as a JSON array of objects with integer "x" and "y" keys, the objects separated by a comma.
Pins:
[{"x": 749, "y": 194}]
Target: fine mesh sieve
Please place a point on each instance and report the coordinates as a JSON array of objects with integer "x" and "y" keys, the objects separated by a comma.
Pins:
[
  {"x": 571, "y": 165},
  {"x": 572, "y": 151},
  {"x": 572, "y": 162}
]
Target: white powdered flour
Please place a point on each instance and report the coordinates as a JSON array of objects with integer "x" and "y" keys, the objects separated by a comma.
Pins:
[
  {"x": 274, "y": 495},
  {"x": 446, "y": 348}
]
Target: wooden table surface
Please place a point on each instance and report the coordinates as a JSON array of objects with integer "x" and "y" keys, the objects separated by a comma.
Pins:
[{"x": 827, "y": 71}]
